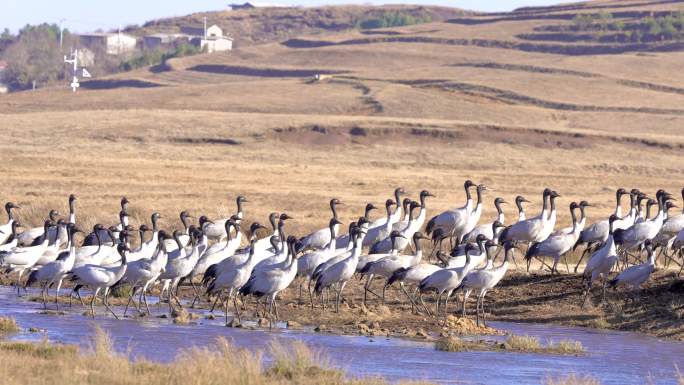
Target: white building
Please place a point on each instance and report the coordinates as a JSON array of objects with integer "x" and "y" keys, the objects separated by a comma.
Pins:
[
  {"x": 214, "y": 41},
  {"x": 111, "y": 43}
]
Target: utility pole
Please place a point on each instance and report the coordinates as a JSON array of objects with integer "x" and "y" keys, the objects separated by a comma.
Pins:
[
  {"x": 61, "y": 33},
  {"x": 74, "y": 60},
  {"x": 205, "y": 28}
]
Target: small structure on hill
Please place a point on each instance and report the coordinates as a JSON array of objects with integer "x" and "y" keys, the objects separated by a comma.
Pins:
[
  {"x": 160, "y": 40},
  {"x": 110, "y": 43},
  {"x": 213, "y": 40},
  {"x": 246, "y": 5}
]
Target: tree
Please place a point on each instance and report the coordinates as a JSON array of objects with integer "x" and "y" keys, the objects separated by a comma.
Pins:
[
  {"x": 6, "y": 35},
  {"x": 653, "y": 26},
  {"x": 583, "y": 22},
  {"x": 604, "y": 19},
  {"x": 35, "y": 58},
  {"x": 667, "y": 27}
]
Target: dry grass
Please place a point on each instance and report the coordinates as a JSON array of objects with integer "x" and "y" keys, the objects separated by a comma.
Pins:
[
  {"x": 599, "y": 323},
  {"x": 566, "y": 347},
  {"x": 523, "y": 343},
  {"x": 531, "y": 344},
  {"x": 221, "y": 364},
  {"x": 573, "y": 379},
  {"x": 450, "y": 344},
  {"x": 8, "y": 325}
]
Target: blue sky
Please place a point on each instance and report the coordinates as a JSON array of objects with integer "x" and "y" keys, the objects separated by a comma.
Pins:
[{"x": 88, "y": 15}]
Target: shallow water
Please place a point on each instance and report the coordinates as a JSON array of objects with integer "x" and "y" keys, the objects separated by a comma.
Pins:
[{"x": 613, "y": 357}]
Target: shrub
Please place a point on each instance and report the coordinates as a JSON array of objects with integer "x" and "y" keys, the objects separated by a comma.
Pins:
[
  {"x": 573, "y": 379},
  {"x": 450, "y": 344},
  {"x": 393, "y": 19},
  {"x": 8, "y": 325},
  {"x": 523, "y": 343}
]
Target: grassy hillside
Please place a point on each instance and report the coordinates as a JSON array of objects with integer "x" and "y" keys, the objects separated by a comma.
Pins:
[
  {"x": 274, "y": 24},
  {"x": 422, "y": 106}
]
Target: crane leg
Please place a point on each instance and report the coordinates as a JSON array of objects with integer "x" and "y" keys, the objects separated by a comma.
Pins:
[
  {"x": 143, "y": 294},
  {"x": 44, "y": 294},
  {"x": 106, "y": 303},
  {"x": 603, "y": 291},
  {"x": 78, "y": 293},
  {"x": 218, "y": 296},
  {"x": 584, "y": 252},
  {"x": 413, "y": 303},
  {"x": 225, "y": 309},
  {"x": 130, "y": 298},
  {"x": 197, "y": 294},
  {"x": 466, "y": 294},
  {"x": 237, "y": 311},
  {"x": 587, "y": 290},
  {"x": 422, "y": 303},
  {"x": 92, "y": 303},
  {"x": 484, "y": 313},
  {"x": 310, "y": 294}
]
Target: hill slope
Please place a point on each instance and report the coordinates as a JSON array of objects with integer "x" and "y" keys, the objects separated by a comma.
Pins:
[{"x": 269, "y": 24}]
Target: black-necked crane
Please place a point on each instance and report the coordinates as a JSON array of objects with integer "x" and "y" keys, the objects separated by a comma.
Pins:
[
  {"x": 233, "y": 279},
  {"x": 320, "y": 238},
  {"x": 635, "y": 236},
  {"x": 181, "y": 265},
  {"x": 413, "y": 275},
  {"x": 343, "y": 241},
  {"x": 445, "y": 281},
  {"x": 142, "y": 273},
  {"x": 474, "y": 216},
  {"x": 54, "y": 272},
  {"x": 487, "y": 228},
  {"x": 35, "y": 235},
  {"x": 339, "y": 273},
  {"x": 6, "y": 229},
  {"x": 386, "y": 266},
  {"x": 555, "y": 246},
  {"x": 453, "y": 221},
  {"x": 22, "y": 259},
  {"x": 12, "y": 241},
  {"x": 484, "y": 280},
  {"x": 387, "y": 245},
  {"x": 380, "y": 228},
  {"x": 533, "y": 229},
  {"x": 216, "y": 231},
  {"x": 271, "y": 282},
  {"x": 601, "y": 262},
  {"x": 101, "y": 278},
  {"x": 307, "y": 263},
  {"x": 634, "y": 276},
  {"x": 519, "y": 200}
]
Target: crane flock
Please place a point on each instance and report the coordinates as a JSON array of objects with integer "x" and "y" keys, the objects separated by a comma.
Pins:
[{"x": 210, "y": 256}]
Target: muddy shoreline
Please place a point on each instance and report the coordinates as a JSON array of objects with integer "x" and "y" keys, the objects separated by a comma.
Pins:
[{"x": 658, "y": 310}]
